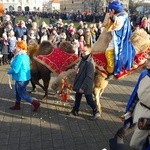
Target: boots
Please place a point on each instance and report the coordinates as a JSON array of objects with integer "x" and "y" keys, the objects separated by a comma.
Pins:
[
  {"x": 96, "y": 114},
  {"x": 35, "y": 104},
  {"x": 16, "y": 106},
  {"x": 110, "y": 76},
  {"x": 74, "y": 112}
]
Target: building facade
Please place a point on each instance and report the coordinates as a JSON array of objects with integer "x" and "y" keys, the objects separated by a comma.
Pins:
[
  {"x": 82, "y": 5},
  {"x": 71, "y": 5},
  {"x": 53, "y": 5},
  {"x": 28, "y": 5}
]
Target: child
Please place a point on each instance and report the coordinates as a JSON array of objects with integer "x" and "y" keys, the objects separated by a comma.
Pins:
[
  {"x": 12, "y": 44},
  {"x": 76, "y": 45},
  {"x": 81, "y": 44},
  {"x": 5, "y": 48}
]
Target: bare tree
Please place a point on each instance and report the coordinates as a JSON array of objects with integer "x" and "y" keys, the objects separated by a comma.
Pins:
[{"x": 96, "y": 5}]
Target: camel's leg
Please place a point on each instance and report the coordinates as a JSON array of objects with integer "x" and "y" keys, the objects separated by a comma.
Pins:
[
  {"x": 97, "y": 92},
  {"x": 33, "y": 87},
  {"x": 46, "y": 82},
  {"x": 45, "y": 87},
  {"x": 100, "y": 94}
]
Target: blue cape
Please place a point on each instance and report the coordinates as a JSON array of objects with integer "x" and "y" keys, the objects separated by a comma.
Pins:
[
  {"x": 124, "y": 50},
  {"x": 134, "y": 95}
]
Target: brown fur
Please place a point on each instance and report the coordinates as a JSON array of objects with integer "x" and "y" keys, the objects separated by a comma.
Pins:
[
  {"x": 39, "y": 71},
  {"x": 100, "y": 83},
  {"x": 68, "y": 75},
  {"x": 45, "y": 48},
  {"x": 140, "y": 40},
  {"x": 32, "y": 48},
  {"x": 67, "y": 47}
]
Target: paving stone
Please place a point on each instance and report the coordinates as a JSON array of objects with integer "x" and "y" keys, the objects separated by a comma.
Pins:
[
  {"x": 3, "y": 147},
  {"x": 25, "y": 139},
  {"x": 13, "y": 147},
  {"x": 25, "y": 146},
  {"x": 51, "y": 129}
]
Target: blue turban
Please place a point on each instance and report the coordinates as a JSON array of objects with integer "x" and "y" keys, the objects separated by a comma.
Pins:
[{"x": 117, "y": 6}]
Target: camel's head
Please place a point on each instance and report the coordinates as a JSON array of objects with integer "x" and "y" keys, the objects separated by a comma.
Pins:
[
  {"x": 62, "y": 89},
  {"x": 64, "y": 81},
  {"x": 57, "y": 85},
  {"x": 140, "y": 40},
  {"x": 32, "y": 47}
]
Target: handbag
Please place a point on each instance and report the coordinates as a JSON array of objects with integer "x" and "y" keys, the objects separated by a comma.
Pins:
[{"x": 144, "y": 123}]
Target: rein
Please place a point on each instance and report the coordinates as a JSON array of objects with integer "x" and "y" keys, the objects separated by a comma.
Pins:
[{"x": 64, "y": 93}]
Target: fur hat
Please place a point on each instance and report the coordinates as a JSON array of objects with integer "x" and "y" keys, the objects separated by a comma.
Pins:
[{"x": 22, "y": 45}]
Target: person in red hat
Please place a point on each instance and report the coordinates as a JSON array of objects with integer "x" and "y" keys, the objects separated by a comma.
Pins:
[{"x": 20, "y": 71}]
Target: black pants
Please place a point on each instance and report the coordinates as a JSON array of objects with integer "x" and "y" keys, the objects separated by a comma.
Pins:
[
  {"x": 89, "y": 100},
  {"x": 5, "y": 59}
]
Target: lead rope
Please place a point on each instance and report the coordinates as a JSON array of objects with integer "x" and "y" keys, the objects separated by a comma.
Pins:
[
  {"x": 9, "y": 81},
  {"x": 65, "y": 91}
]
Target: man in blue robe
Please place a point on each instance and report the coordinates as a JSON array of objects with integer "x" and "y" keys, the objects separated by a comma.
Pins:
[{"x": 120, "y": 52}]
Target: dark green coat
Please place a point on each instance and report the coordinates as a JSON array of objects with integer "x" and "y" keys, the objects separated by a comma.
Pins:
[{"x": 85, "y": 75}]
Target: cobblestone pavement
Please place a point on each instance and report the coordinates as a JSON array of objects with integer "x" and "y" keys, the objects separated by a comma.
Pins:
[{"x": 51, "y": 129}]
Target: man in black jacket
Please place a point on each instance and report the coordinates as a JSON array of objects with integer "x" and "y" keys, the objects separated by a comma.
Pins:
[{"x": 83, "y": 83}]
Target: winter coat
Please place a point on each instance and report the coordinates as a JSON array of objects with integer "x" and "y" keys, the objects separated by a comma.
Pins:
[
  {"x": 20, "y": 67},
  {"x": 20, "y": 32},
  {"x": 12, "y": 43},
  {"x": 85, "y": 76}
]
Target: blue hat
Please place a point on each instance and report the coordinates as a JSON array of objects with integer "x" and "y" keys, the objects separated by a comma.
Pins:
[{"x": 116, "y": 5}]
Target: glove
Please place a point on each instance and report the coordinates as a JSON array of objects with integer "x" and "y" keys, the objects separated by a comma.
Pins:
[
  {"x": 128, "y": 122},
  {"x": 81, "y": 91},
  {"x": 127, "y": 118},
  {"x": 112, "y": 18}
]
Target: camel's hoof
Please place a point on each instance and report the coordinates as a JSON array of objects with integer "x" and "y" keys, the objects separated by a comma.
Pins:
[
  {"x": 44, "y": 98},
  {"x": 32, "y": 91}
]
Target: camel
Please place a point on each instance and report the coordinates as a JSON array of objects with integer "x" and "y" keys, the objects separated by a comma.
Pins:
[
  {"x": 140, "y": 40},
  {"x": 40, "y": 70}
]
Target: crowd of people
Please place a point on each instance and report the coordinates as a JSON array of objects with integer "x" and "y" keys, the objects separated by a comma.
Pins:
[
  {"x": 57, "y": 32},
  {"x": 142, "y": 21}
]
